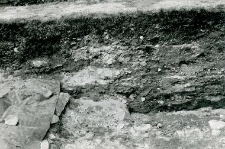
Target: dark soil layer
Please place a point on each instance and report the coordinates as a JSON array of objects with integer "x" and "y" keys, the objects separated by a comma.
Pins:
[
  {"x": 204, "y": 80},
  {"x": 36, "y": 39}
]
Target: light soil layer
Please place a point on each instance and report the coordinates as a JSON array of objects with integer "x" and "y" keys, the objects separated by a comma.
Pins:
[
  {"x": 57, "y": 10},
  {"x": 106, "y": 124}
]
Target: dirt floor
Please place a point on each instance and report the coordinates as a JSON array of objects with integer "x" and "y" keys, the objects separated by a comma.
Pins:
[{"x": 139, "y": 77}]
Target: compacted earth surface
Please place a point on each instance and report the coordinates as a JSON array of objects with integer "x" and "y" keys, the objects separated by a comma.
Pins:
[{"x": 113, "y": 75}]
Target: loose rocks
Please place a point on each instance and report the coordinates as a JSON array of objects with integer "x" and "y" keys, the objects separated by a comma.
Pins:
[{"x": 32, "y": 105}]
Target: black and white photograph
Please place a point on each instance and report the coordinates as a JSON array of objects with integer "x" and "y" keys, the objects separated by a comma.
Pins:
[{"x": 112, "y": 74}]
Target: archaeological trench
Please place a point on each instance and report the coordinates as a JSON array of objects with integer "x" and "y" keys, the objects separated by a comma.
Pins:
[{"x": 88, "y": 75}]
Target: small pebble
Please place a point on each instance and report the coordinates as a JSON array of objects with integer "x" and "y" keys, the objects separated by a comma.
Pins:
[
  {"x": 55, "y": 119},
  {"x": 142, "y": 99},
  {"x": 222, "y": 117},
  {"x": 143, "y": 127},
  {"x": 110, "y": 61},
  {"x": 16, "y": 50},
  {"x": 11, "y": 120},
  {"x": 216, "y": 125},
  {"x": 159, "y": 125},
  {"x": 44, "y": 144},
  {"x": 39, "y": 63},
  {"x": 47, "y": 93},
  {"x": 141, "y": 37},
  {"x": 54, "y": 146},
  {"x": 156, "y": 46},
  {"x": 51, "y": 136},
  {"x": 161, "y": 102},
  {"x": 120, "y": 126},
  {"x": 143, "y": 63},
  {"x": 89, "y": 135}
]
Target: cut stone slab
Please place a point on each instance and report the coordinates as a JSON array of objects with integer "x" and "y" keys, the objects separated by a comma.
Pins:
[
  {"x": 106, "y": 113},
  {"x": 89, "y": 76},
  {"x": 62, "y": 101},
  {"x": 30, "y": 100},
  {"x": 92, "y": 121}
]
